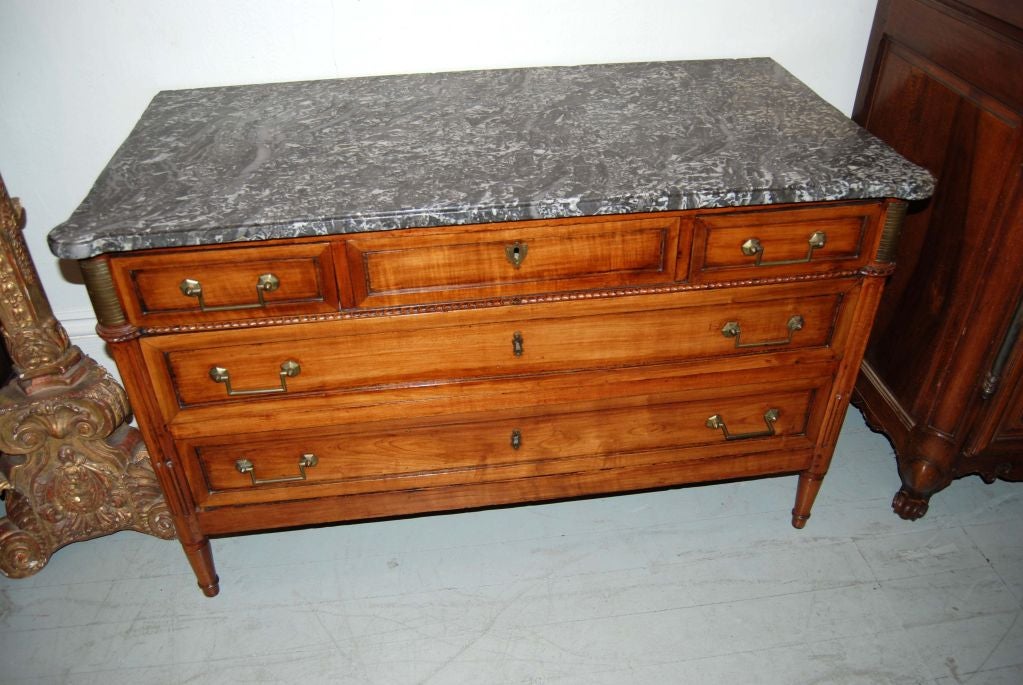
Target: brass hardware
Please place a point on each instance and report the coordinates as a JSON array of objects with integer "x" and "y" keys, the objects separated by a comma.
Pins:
[
  {"x": 733, "y": 330},
  {"x": 753, "y": 246},
  {"x": 266, "y": 283},
  {"x": 289, "y": 369},
  {"x": 892, "y": 229},
  {"x": 304, "y": 462},
  {"x": 770, "y": 416},
  {"x": 516, "y": 439},
  {"x": 516, "y": 253},
  {"x": 994, "y": 374},
  {"x": 517, "y": 344},
  {"x": 99, "y": 283}
]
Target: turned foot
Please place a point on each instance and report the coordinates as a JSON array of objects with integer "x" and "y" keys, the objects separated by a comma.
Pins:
[
  {"x": 909, "y": 506},
  {"x": 806, "y": 493},
  {"x": 200, "y": 557}
]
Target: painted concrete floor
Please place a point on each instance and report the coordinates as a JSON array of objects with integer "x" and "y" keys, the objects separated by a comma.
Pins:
[{"x": 695, "y": 585}]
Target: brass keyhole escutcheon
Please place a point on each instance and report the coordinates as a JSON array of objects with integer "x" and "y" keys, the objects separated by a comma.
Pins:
[
  {"x": 518, "y": 345},
  {"x": 516, "y": 253}
]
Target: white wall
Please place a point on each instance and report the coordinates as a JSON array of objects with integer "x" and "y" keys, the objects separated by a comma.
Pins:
[{"x": 76, "y": 74}]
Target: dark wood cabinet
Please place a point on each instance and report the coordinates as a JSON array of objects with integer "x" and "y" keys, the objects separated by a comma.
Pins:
[{"x": 943, "y": 374}]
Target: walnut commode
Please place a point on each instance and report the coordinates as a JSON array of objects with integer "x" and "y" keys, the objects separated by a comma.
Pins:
[
  {"x": 425, "y": 370},
  {"x": 371, "y": 369}
]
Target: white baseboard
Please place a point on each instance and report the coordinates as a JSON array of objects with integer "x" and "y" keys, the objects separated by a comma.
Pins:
[{"x": 80, "y": 324}]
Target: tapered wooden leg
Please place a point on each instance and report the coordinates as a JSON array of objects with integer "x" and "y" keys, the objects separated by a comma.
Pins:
[
  {"x": 193, "y": 542},
  {"x": 179, "y": 500},
  {"x": 806, "y": 493},
  {"x": 200, "y": 556}
]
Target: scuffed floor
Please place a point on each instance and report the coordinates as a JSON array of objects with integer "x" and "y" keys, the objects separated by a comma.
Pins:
[{"x": 695, "y": 585}]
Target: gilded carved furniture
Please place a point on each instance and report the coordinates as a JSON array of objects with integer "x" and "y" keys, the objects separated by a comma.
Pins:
[
  {"x": 71, "y": 468},
  {"x": 344, "y": 300},
  {"x": 942, "y": 377}
]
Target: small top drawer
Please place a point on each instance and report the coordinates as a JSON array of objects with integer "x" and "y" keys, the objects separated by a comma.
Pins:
[
  {"x": 480, "y": 262},
  {"x": 778, "y": 242},
  {"x": 174, "y": 288}
]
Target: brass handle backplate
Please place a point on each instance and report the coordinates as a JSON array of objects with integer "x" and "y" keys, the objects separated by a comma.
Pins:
[
  {"x": 304, "y": 462},
  {"x": 516, "y": 439},
  {"x": 770, "y": 416},
  {"x": 516, "y": 253},
  {"x": 732, "y": 329},
  {"x": 266, "y": 283},
  {"x": 289, "y": 369},
  {"x": 753, "y": 247}
]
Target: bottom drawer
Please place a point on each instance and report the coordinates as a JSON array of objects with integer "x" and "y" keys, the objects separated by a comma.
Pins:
[{"x": 396, "y": 455}]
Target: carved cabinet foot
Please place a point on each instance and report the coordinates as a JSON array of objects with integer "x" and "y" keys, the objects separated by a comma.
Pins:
[
  {"x": 909, "y": 506},
  {"x": 922, "y": 476}
]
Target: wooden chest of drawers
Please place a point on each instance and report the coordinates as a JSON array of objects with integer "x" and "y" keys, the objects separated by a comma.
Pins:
[
  {"x": 359, "y": 374},
  {"x": 468, "y": 367}
]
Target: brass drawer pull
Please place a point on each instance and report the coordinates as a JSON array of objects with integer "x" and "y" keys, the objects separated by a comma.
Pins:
[
  {"x": 753, "y": 246},
  {"x": 517, "y": 344},
  {"x": 516, "y": 439},
  {"x": 516, "y": 253},
  {"x": 304, "y": 462},
  {"x": 770, "y": 416},
  {"x": 289, "y": 369},
  {"x": 266, "y": 283},
  {"x": 733, "y": 330}
]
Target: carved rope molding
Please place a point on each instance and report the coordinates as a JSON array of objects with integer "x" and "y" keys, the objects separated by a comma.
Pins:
[{"x": 71, "y": 468}]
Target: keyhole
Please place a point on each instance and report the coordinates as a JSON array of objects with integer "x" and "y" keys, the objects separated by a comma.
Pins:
[{"x": 516, "y": 253}]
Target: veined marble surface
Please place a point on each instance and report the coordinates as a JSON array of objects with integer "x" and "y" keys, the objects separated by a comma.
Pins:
[{"x": 217, "y": 165}]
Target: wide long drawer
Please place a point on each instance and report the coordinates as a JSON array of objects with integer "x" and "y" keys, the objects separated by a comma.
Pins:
[
  {"x": 711, "y": 422},
  {"x": 203, "y": 369}
]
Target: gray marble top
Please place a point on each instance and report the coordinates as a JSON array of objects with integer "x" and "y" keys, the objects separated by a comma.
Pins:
[{"x": 239, "y": 163}]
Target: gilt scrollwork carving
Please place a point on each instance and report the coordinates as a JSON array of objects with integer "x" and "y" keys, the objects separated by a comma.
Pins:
[{"x": 71, "y": 468}]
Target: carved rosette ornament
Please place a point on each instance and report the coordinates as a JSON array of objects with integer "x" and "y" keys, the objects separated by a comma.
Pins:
[{"x": 71, "y": 468}]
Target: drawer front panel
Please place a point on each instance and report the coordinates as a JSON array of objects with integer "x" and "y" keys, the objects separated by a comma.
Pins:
[
  {"x": 265, "y": 467},
  {"x": 476, "y": 348},
  {"x": 740, "y": 245},
  {"x": 388, "y": 270},
  {"x": 227, "y": 284}
]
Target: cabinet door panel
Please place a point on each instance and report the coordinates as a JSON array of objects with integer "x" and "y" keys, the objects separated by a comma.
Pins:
[{"x": 961, "y": 135}]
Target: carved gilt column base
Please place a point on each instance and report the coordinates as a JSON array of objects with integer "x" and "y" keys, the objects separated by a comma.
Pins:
[{"x": 72, "y": 469}]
